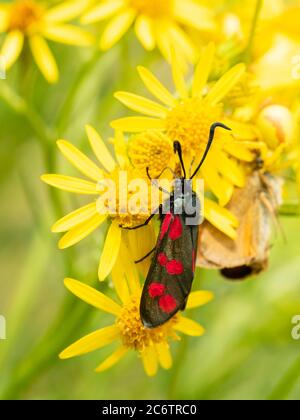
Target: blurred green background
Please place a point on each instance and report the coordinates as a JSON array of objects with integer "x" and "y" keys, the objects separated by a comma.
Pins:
[{"x": 247, "y": 352}]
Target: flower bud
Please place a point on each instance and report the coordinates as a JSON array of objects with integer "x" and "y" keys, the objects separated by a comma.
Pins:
[{"x": 276, "y": 125}]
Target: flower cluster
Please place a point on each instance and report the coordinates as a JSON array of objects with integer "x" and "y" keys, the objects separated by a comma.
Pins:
[{"x": 243, "y": 173}]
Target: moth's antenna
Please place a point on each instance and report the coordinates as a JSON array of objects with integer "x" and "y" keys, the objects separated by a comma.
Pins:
[
  {"x": 167, "y": 168},
  {"x": 177, "y": 149},
  {"x": 209, "y": 143},
  {"x": 155, "y": 182}
]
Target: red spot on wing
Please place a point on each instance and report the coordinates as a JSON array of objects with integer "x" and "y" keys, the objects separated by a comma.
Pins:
[
  {"x": 174, "y": 267},
  {"x": 156, "y": 290},
  {"x": 167, "y": 304},
  {"x": 165, "y": 225},
  {"x": 175, "y": 229},
  {"x": 162, "y": 259}
]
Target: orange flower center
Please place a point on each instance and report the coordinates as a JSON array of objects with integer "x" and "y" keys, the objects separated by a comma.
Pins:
[
  {"x": 151, "y": 150},
  {"x": 152, "y": 8},
  {"x": 135, "y": 335},
  {"x": 190, "y": 121},
  {"x": 24, "y": 13}
]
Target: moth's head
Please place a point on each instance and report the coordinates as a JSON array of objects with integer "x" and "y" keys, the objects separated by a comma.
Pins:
[{"x": 182, "y": 187}]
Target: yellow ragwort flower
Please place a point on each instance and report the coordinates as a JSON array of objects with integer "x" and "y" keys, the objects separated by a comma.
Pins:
[
  {"x": 29, "y": 20},
  {"x": 154, "y": 150},
  {"x": 83, "y": 221},
  {"x": 152, "y": 345},
  {"x": 187, "y": 117},
  {"x": 157, "y": 23}
]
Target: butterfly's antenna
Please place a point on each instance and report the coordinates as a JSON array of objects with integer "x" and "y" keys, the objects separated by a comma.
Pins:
[
  {"x": 177, "y": 149},
  {"x": 209, "y": 143}
]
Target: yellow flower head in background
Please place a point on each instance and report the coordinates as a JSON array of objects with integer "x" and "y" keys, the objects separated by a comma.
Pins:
[
  {"x": 29, "y": 20},
  {"x": 152, "y": 345},
  {"x": 157, "y": 23},
  {"x": 85, "y": 220},
  {"x": 187, "y": 117}
]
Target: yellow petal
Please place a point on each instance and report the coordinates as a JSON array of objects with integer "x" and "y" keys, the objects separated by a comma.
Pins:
[
  {"x": 91, "y": 342},
  {"x": 222, "y": 189},
  {"x": 199, "y": 298},
  {"x": 178, "y": 77},
  {"x": 67, "y": 34},
  {"x": 203, "y": 70},
  {"x": 141, "y": 241},
  {"x": 4, "y": 20},
  {"x": 225, "y": 84},
  {"x": 80, "y": 160},
  {"x": 44, "y": 58},
  {"x": 221, "y": 218},
  {"x": 12, "y": 48},
  {"x": 182, "y": 43},
  {"x": 192, "y": 14},
  {"x": 149, "y": 358},
  {"x": 144, "y": 32},
  {"x": 137, "y": 124},
  {"x": 156, "y": 88},
  {"x": 66, "y": 11},
  {"x": 163, "y": 39},
  {"x": 112, "y": 360},
  {"x": 92, "y": 296},
  {"x": 102, "y": 11},
  {"x": 240, "y": 130},
  {"x": 70, "y": 184},
  {"x": 141, "y": 105},
  {"x": 164, "y": 355},
  {"x": 119, "y": 282},
  {"x": 110, "y": 250},
  {"x": 99, "y": 148},
  {"x": 189, "y": 327},
  {"x": 80, "y": 232},
  {"x": 75, "y": 218},
  {"x": 129, "y": 269},
  {"x": 120, "y": 146},
  {"x": 230, "y": 169},
  {"x": 117, "y": 27},
  {"x": 238, "y": 150}
]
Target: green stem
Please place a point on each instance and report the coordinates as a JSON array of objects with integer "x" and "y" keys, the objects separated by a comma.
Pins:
[
  {"x": 67, "y": 107},
  {"x": 44, "y": 134},
  {"x": 287, "y": 382},
  {"x": 28, "y": 286},
  {"x": 45, "y": 354},
  {"x": 20, "y": 106},
  {"x": 180, "y": 356},
  {"x": 249, "y": 48}
]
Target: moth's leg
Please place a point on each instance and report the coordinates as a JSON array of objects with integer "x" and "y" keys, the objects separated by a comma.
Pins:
[
  {"x": 157, "y": 211},
  {"x": 139, "y": 226},
  {"x": 155, "y": 183},
  {"x": 146, "y": 256}
]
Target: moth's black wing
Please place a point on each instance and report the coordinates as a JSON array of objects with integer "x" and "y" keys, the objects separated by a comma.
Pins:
[{"x": 171, "y": 274}]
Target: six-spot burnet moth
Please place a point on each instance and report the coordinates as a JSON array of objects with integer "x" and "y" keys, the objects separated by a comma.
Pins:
[{"x": 171, "y": 273}]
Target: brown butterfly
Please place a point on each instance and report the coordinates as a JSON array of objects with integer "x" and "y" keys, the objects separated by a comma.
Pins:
[{"x": 255, "y": 206}]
